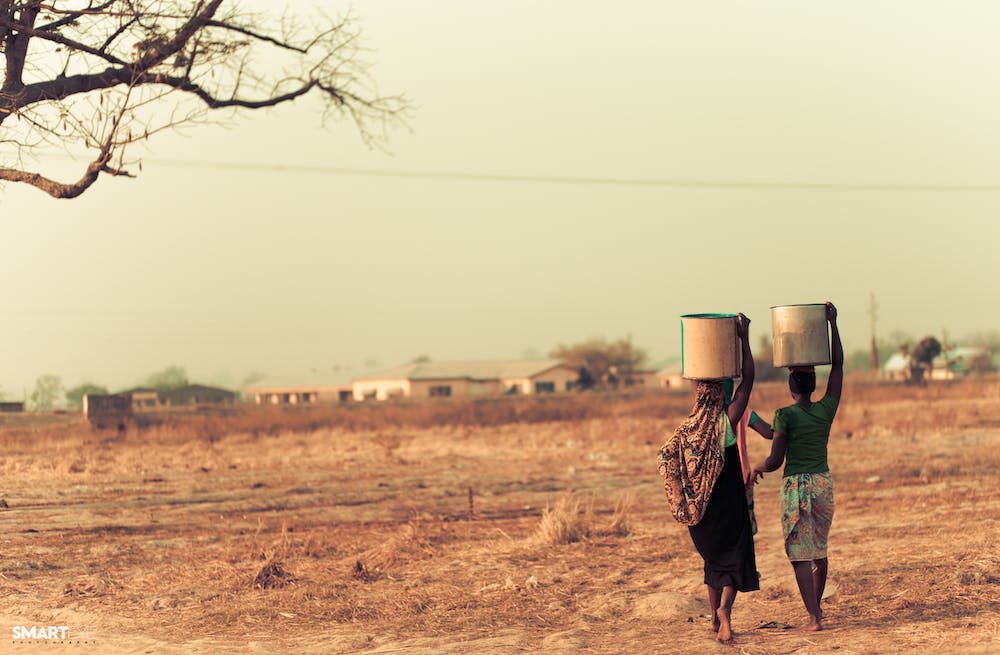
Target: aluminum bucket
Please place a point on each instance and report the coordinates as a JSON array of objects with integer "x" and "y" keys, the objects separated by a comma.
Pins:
[
  {"x": 709, "y": 347},
  {"x": 801, "y": 335}
]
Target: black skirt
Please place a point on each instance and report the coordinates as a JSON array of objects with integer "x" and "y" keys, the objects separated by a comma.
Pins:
[{"x": 724, "y": 537}]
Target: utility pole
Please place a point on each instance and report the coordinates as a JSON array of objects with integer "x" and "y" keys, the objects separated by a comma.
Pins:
[{"x": 873, "y": 355}]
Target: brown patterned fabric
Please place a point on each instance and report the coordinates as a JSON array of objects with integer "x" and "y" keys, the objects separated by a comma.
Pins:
[{"x": 691, "y": 460}]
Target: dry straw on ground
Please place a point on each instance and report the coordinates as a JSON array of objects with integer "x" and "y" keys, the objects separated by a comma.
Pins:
[
  {"x": 307, "y": 535},
  {"x": 571, "y": 519}
]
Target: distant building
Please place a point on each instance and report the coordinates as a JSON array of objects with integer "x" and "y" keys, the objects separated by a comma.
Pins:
[
  {"x": 11, "y": 407},
  {"x": 959, "y": 361},
  {"x": 466, "y": 379},
  {"x": 143, "y": 398},
  {"x": 197, "y": 394},
  {"x": 108, "y": 410},
  {"x": 951, "y": 364},
  {"x": 670, "y": 377},
  {"x": 300, "y": 394},
  {"x": 308, "y": 387},
  {"x": 641, "y": 379},
  {"x": 146, "y": 399},
  {"x": 897, "y": 367}
]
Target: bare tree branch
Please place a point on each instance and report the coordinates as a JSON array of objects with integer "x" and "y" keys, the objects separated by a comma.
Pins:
[
  {"x": 218, "y": 103},
  {"x": 73, "y": 16},
  {"x": 118, "y": 32},
  {"x": 54, "y": 188},
  {"x": 256, "y": 35},
  {"x": 55, "y": 37},
  {"x": 101, "y": 75}
]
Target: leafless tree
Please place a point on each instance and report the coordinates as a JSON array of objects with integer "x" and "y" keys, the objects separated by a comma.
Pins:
[{"x": 93, "y": 77}]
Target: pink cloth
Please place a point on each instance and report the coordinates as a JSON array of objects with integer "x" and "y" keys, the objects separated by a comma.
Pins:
[{"x": 741, "y": 443}]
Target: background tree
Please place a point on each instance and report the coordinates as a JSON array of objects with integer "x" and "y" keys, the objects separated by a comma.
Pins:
[
  {"x": 602, "y": 364},
  {"x": 251, "y": 378},
  {"x": 982, "y": 363},
  {"x": 989, "y": 343},
  {"x": 74, "y": 396},
  {"x": 925, "y": 351},
  {"x": 763, "y": 362},
  {"x": 858, "y": 360},
  {"x": 584, "y": 380},
  {"x": 170, "y": 378},
  {"x": 48, "y": 389},
  {"x": 95, "y": 76},
  {"x": 989, "y": 339},
  {"x": 897, "y": 340}
]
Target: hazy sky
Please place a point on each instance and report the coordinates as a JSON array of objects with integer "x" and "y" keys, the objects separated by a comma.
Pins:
[{"x": 226, "y": 271}]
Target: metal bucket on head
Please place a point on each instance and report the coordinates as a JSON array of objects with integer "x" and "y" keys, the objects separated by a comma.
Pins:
[
  {"x": 801, "y": 335},
  {"x": 709, "y": 347}
]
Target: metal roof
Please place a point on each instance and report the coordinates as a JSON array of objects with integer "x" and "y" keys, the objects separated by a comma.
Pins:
[{"x": 481, "y": 370}]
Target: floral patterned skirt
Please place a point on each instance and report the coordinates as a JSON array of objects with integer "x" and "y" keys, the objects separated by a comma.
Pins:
[{"x": 806, "y": 515}]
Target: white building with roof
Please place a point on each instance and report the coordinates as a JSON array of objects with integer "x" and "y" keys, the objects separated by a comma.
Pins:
[
  {"x": 897, "y": 367},
  {"x": 305, "y": 388},
  {"x": 955, "y": 362},
  {"x": 301, "y": 394},
  {"x": 670, "y": 377},
  {"x": 466, "y": 379}
]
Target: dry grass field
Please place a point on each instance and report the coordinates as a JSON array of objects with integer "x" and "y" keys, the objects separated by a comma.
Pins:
[{"x": 402, "y": 530}]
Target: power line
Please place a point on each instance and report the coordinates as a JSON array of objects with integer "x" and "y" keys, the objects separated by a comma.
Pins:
[{"x": 569, "y": 180}]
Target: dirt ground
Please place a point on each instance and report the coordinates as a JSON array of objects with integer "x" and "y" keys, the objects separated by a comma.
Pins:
[{"x": 549, "y": 537}]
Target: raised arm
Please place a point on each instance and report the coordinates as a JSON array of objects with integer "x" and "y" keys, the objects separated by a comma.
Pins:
[
  {"x": 741, "y": 397},
  {"x": 835, "y": 383}
]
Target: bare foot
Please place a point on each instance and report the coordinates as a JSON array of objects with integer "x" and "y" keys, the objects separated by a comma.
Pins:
[
  {"x": 725, "y": 635},
  {"x": 815, "y": 624}
]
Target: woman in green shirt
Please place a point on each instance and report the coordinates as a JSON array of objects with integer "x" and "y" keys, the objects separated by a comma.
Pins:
[{"x": 801, "y": 433}]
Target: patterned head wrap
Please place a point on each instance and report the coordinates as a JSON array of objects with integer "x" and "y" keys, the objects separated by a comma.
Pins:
[{"x": 691, "y": 460}]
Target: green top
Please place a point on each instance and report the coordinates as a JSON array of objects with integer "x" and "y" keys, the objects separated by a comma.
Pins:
[
  {"x": 730, "y": 432},
  {"x": 728, "y": 385},
  {"x": 807, "y": 432}
]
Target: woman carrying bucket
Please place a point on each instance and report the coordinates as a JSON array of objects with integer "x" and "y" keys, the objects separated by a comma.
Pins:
[
  {"x": 705, "y": 487},
  {"x": 801, "y": 433}
]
